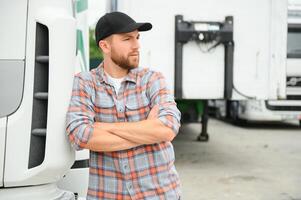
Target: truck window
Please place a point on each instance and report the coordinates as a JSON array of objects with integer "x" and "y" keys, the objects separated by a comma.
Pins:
[{"x": 294, "y": 41}]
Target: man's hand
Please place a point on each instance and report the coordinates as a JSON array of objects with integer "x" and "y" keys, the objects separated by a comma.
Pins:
[{"x": 153, "y": 114}]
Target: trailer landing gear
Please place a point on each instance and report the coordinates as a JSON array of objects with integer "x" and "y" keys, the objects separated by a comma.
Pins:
[{"x": 204, "y": 136}]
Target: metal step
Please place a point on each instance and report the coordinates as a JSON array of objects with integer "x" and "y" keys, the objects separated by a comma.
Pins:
[
  {"x": 42, "y": 59},
  {"x": 39, "y": 132},
  {"x": 41, "y": 95}
]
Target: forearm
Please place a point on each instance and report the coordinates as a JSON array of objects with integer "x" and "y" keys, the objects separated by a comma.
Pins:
[
  {"x": 143, "y": 132},
  {"x": 103, "y": 140}
]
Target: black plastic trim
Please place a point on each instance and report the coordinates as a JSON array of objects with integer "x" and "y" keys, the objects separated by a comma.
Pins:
[
  {"x": 282, "y": 108},
  {"x": 80, "y": 164},
  {"x": 294, "y": 28},
  {"x": 293, "y": 97},
  {"x": 293, "y": 55},
  {"x": 40, "y": 103}
]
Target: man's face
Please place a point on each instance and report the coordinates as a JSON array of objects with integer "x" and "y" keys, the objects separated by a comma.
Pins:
[{"x": 125, "y": 49}]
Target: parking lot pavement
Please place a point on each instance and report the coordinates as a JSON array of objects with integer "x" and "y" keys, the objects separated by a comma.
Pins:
[{"x": 245, "y": 163}]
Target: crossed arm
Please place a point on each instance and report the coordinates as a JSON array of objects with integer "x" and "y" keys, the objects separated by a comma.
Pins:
[
  {"x": 161, "y": 124},
  {"x": 125, "y": 135}
]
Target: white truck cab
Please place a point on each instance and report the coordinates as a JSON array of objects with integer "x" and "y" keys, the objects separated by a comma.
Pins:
[{"x": 37, "y": 59}]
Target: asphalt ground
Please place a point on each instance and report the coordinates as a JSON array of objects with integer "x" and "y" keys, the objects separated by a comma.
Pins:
[{"x": 250, "y": 162}]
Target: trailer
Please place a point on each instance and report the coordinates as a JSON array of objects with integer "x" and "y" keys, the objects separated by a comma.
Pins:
[{"x": 214, "y": 49}]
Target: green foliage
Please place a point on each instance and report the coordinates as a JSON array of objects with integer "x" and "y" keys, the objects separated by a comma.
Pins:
[
  {"x": 184, "y": 105},
  {"x": 95, "y": 53}
]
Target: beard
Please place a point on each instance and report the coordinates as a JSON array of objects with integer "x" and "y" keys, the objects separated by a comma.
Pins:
[{"x": 128, "y": 62}]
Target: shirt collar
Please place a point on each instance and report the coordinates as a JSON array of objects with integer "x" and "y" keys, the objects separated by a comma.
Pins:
[{"x": 131, "y": 76}]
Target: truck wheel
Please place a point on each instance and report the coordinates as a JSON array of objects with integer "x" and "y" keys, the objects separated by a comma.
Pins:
[
  {"x": 232, "y": 110},
  {"x": 203, "y": 137}
]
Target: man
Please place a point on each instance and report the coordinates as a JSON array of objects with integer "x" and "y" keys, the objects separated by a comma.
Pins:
[{"x": 126, "y": 117}]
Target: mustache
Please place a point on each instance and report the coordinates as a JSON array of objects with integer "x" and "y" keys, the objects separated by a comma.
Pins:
[{"x": 135, "y": 53}]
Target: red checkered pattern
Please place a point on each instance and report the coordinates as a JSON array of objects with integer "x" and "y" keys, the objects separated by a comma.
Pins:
[{"x": 143, "y": 172}]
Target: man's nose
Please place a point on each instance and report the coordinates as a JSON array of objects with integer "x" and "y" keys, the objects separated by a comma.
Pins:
[{"x": 136, "y": 44}]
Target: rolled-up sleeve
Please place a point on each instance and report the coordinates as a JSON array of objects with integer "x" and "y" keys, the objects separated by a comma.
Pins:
[
  {"x": 80, "y": 115},
  {"x": 160, "y": 95}
]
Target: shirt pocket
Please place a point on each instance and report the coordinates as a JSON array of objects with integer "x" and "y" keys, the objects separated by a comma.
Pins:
[
  {"x": 137, "y": 108},
  {"x": 105, "y": 108}
]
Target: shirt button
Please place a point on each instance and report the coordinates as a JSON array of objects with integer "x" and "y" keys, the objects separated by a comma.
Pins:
[{"x": 125, "y": 166}]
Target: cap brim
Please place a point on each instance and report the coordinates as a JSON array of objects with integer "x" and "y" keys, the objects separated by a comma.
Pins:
[
  {"x": 144, "y": 26},
  {"x": 136, "y": 26}
]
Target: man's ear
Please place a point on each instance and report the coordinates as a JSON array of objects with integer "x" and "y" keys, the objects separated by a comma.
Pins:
[{"x": 104, "y": 45}]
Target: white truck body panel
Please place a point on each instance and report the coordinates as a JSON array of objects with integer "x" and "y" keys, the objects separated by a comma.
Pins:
[
  {"x": 13, "y": 18},
  {"x": 257, "y": 111},
  {"x": 80, "y": 174},
  {"x": 40, "y": 192},
  {"x": 293, "y": 67}
]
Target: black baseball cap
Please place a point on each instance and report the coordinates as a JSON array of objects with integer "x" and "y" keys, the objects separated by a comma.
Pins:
[{"x": 117, "y": 22}]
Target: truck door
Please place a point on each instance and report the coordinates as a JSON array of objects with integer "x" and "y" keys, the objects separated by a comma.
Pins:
[{"x": 12, "y": 55}]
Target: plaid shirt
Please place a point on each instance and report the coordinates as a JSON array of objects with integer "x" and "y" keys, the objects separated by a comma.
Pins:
[{"x": 143, "y": 172}]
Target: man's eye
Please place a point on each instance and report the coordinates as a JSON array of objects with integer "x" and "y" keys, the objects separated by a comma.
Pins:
[{"x": 126, "y": 39}]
